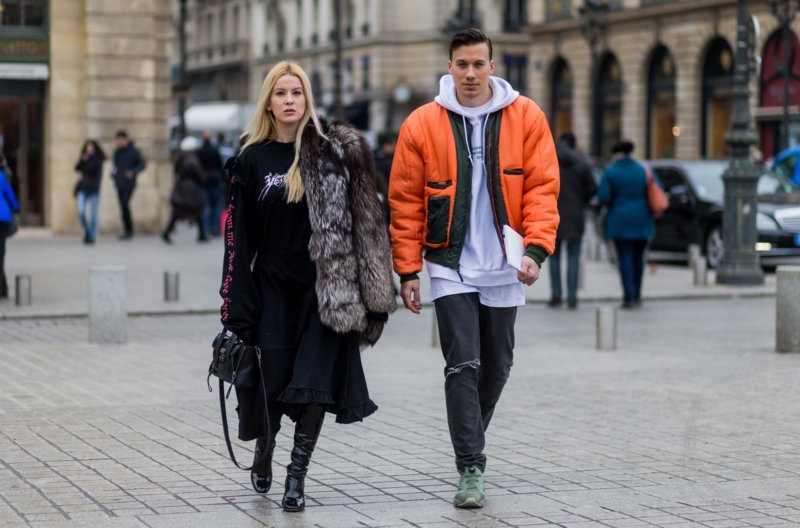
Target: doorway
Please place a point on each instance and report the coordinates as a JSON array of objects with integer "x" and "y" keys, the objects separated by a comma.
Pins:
[{"x": 22, "y": 131}]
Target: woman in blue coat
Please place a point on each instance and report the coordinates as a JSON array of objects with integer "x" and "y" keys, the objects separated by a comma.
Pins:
[
  {"x": 629, "y": 222},
  {"x": 8, "y": 204}
]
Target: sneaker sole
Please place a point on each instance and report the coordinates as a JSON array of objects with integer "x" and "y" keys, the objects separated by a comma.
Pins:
[{"x": 469, "y": 503}]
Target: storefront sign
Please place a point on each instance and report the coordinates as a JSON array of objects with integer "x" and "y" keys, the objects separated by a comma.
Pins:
[
  {"x": 18, "y": 70},
  {"x": 24, "y": 48}
]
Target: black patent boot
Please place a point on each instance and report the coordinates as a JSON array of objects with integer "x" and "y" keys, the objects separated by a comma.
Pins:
[
  {"x": 261, "y": 475},
  {"x": 306, "y": 432}
]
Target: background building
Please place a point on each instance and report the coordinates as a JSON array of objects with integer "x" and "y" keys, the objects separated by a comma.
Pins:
[{"x": 77, "y": 69}]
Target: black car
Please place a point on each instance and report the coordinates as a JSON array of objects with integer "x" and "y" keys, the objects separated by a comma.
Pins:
[{"x": 696, "y": 195}]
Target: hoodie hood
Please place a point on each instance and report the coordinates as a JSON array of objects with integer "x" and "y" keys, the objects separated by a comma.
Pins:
[
  {"x": 502, "y": 94},
  {"x": 567, "y": 157}
]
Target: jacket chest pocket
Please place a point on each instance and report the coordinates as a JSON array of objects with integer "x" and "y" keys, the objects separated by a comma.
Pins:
[{"x": 438, "y": 219}]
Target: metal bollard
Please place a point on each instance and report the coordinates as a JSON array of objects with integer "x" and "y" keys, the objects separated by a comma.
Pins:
[
  {"x": 435, "y": 331},
  {"x": 787, "y": 331},
  {"x": 606, "y": 328},
  {"x": 23, "y": 290},
  {"x": 171, "y": 285},
  {"x": 108, "y": 317},
  {"x": 700, "y": 267},
  {"x": 693, "y": 253}
]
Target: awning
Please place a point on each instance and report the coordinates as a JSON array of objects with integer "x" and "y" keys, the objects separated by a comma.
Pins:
[{"x": 218, "y": 117}]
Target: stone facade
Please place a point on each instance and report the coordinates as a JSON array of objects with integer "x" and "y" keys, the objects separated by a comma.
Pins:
[{"x": 109, "y": 64}]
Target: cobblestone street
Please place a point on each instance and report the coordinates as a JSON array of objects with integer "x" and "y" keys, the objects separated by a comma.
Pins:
[{"x": 692, "y": 422}]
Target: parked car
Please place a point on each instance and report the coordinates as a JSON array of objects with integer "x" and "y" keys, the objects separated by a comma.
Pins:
[
  {"x": 696, "y": 195},
  {"x": 786, "y": 164}
]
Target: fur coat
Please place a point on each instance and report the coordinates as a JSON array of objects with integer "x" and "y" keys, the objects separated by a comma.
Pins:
[{"x": 349, "y": 242}]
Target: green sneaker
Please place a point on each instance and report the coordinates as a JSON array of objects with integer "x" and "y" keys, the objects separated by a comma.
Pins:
[{"x": 470, "y": 489}]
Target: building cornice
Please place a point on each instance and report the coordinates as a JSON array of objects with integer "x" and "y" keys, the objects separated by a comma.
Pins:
[{"x": 632, "y": 15}]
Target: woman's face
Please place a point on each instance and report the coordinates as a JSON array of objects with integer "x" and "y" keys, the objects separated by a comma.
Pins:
[
  {"x": 288, "y": 101},
  {"x": 89, "y": 149}
]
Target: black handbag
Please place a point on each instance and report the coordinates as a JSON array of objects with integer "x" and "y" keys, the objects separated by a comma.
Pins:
[{"x": 239, "y": 364}]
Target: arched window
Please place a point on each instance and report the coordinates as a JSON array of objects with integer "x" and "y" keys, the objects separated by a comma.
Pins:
[
  {"x": 561, "y": 98},
  {"x": 777, "y": 54},
  {"x": 717, "y": 107},
  {"x": 276, "y": 30},
  {"x": 608, "y": 106},
  {"x": 661, "y": 130}
]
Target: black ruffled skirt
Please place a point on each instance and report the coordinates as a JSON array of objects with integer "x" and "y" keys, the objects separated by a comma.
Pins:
[{"x": 303, "y": 361}]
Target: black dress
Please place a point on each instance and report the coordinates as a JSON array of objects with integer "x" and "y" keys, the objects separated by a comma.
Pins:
[{"x": 275, "y": 304}]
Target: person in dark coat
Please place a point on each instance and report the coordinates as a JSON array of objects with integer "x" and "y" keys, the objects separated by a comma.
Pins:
[
  {"x": 188, "y": 200},
  {"x": 128, "y": 163},
  {"x": 87, "y": 190},
  {"x": 629, "y": 222},
  {"x": 383, "y": 166},
  {"x": 8, "y": 205},
  {"x": 307, "y": 273},
  {"x": 577, "y": 188},
  {"x": 214, "y": 184}
]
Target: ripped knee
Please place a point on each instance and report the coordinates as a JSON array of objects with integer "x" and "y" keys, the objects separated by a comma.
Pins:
[{"x": 474, "y": 364}]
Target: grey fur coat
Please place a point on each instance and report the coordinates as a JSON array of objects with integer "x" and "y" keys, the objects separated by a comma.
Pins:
[{"x": 349, "y": 241}]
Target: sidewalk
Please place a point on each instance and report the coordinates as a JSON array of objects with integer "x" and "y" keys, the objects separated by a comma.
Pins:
[
  {"x": 692, "y": 422},
  {"x": 59, "y": 270}
]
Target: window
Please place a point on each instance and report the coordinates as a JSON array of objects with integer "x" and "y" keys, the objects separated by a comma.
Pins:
[
  {"x": 235, "y": 22},
  {"x": 22, "y": 13},
  {"x": 209, "y": 27},
  {"x": 299, "y": 25},
  {"x": 786, "y": 166},
  {"x": 222, "y": 32},
  {"x": 348, "y": 78},
  {"x": 366, "y": 67},
  {"x": 516, "y": 15},
  {"x": 516, "y": 71},
  {"x": 557, "y": 9}
]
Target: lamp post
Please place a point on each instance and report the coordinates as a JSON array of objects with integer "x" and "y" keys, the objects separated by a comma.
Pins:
[
  {"x": 740, "y": 263},
  {"x": 593, "y": 29},
  {"x": 181, "y": 86},
  {"x": 785, "y": 12},
  {"x": 338, "y": 108}
]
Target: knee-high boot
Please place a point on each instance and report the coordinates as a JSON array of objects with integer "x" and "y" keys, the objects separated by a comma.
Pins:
[
  {"x": 306, "y": 433},
  {"x": 261, "y": 475}
]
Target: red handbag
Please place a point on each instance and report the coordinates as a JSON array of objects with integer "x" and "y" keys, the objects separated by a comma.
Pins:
[{"x": 656, "y": 197}]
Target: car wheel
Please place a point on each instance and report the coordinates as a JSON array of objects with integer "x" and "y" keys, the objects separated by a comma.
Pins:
[{"x": 715, "y": 249}]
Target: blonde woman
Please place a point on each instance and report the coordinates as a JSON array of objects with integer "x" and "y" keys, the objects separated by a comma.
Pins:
[{"x": 307, "y": 271}]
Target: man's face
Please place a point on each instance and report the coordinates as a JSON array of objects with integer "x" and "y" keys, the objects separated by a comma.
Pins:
[
  {"x": 122, "y": 142},
  {"x": 471, "y": 68}
]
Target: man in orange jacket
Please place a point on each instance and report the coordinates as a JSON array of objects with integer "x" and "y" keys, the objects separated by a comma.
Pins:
[{"x": 480, "y": 157}]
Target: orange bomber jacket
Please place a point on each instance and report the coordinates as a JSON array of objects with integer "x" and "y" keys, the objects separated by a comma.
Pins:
[{"x": 431, "y": 179}]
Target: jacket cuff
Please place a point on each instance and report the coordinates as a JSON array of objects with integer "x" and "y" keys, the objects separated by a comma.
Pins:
[
  {"x": 409, "y": 277},
  {"x": 537, "y": 253}
]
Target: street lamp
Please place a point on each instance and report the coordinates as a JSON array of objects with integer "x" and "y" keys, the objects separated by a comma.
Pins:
[
  {"x": 593, "y": 29},
  {"x": 740, "y": 263},
  {"x": 785, "y": 12}
]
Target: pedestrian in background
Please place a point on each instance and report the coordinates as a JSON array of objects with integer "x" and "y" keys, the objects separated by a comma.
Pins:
[
  {"x": 128, "y": 163},
  {"x": 188, "y": 199},
  {"x": 479, "y": 157},
  {"x": 308, "y": 274},
  {"x": 384, "y": 156},
  {"x": 577, "y": 189},
  {"x": 214, "y": 184},
  {"x": 629, "y": 222},
  {"x": 8, "y": 205},
  {"x": 87, "y": 190}
]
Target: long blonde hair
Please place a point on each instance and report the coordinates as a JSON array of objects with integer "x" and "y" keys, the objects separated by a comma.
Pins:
[{"x": 263, "y": 126}]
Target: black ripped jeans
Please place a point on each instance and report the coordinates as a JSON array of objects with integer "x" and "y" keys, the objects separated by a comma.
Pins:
[{"x": 478, "y": 348}]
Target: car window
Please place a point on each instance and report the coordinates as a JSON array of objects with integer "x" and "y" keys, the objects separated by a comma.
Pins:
[
  {"x": 669, "y": 177},
  {"x": 786, "y": 167},
  {"x": 706, "y": 179},
  {"x": 771, "y": 183}
]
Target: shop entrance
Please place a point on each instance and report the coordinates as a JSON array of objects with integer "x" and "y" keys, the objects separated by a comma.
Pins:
[{"x": 22, "y": 138}]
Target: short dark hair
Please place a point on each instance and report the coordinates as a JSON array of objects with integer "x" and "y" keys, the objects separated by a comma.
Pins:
[
  {"x": 622, "y": 147},
  {"x": 568, "y": 138},
  {"x": 469, "y": 37},
  {"x": 121, "y": 134}
]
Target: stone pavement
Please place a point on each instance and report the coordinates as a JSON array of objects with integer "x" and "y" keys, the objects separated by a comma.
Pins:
[
  {"x": 694, "y": 421},
  {"x": 59, "y": 270}
]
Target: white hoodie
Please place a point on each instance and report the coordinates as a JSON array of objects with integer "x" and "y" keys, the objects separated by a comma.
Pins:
[{"x": 482, "y": 262}]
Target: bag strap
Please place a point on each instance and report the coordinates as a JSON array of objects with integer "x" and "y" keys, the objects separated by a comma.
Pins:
[{"x": 265, "y": 453}]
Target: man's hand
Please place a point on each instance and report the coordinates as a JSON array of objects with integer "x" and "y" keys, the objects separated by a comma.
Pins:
[
  {"x": 409, "y": 291},
  {"x": 529, "y": 273},
  {"x": 129, "y": 174}
]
